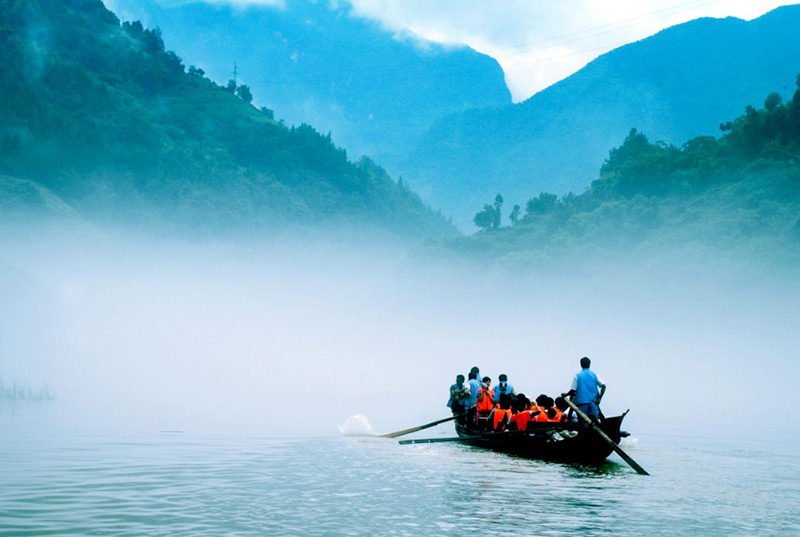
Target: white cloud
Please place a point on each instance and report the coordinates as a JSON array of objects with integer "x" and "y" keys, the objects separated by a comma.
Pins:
[{"x": 538, "y": 43}]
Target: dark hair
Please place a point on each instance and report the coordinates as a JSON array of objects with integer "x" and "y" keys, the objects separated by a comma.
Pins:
[
  {"x": 542, "y": 400},
  {"x": 473, "y": 375},
  {"x": 460, "y": 377},
  {"x": 487, "y": 379},
  {"x": 521, "y": 403},
  {"x": 505, "y": 401},
  {"x": 503, "y": 377},
  {"x": 585, "y": 362},
  {"x": 551, "y": 413},
  {"x": 561, "y": 403},
  {"x": 474, "y": 369}
]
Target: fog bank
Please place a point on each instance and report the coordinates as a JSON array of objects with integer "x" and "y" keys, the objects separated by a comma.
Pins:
[{"x": 294, "y": 337}]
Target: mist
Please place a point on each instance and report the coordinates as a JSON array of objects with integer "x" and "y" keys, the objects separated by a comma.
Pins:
[{"x": 293, "y": 337}]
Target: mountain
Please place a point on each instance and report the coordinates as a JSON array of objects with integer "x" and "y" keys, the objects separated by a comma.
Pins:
[
  {"x": 99, "y": 119},
  {"x": 679, "y": 83},
  {"x": 736, "y": 197},
  {"x": 375, "y": 91}
]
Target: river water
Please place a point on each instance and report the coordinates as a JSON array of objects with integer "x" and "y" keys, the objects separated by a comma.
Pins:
[{"x": 96, "y": 480}]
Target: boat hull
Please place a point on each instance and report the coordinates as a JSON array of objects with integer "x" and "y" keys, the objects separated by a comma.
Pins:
[{"x": 547, "y": 441}]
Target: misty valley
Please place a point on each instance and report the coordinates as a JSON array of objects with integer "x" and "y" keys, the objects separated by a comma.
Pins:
[{"x": 222, "y": 294}]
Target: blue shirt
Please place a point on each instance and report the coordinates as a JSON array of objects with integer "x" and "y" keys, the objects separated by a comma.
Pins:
[
  {"x": 474, "y": 386},
  {"x": 460, "y": 400},
  {"x": 500, "y": 389},
  {"x": 586, "y": 384}
]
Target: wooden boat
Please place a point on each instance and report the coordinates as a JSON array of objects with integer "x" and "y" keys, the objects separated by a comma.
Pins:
[{"x": 562, "y": 442}]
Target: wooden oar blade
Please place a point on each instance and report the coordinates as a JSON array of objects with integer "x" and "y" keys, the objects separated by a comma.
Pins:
[
  {"x": 632, "y": 463},
  {"x": 420, "y": 428},
  {"x": 435, "y": 440}
]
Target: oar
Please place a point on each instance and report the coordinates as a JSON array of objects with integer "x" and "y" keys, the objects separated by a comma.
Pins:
[
  {"x": 490, "y": 434},
  {"x": 633, "y": 464},
  {"x": 434, "y": 440},
  {"x": 421, "y": 427}
]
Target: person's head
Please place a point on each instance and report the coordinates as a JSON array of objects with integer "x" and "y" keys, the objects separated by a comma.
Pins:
[
  {"x": 505, "y": 401},
  {"x": 473, "y": 375},
  {"x": 585, "y": 362},
  {"x": 551, "y": 413},
  {"x": 460, "y": 380},
  {"x": 503, "y": 377},
  {"x": 522, "y": 403},
  {"x": 486, "y": 380},
  {"x": 542, "y": 400},
  {"x": 475, "y": 370},
  {"x": 561, "y": 403}
]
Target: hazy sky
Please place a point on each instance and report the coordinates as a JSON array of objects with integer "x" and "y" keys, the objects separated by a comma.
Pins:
[{"x": 537, "y": 42}]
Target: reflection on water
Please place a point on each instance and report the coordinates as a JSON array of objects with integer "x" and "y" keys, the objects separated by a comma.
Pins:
[{"x": 80, "y": 482}]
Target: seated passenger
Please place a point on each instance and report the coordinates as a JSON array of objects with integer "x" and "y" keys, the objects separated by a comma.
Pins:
[
  {"x": 501, "y": 413},
  {"x": 547, "y": 412},
  {"x": 521, "y": 414},
  {"x": 562, "y": 406}
]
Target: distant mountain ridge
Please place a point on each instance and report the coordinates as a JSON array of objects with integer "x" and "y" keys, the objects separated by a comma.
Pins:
[
  {"x": 733, "y": 199},
  {"x": 99, "y": 119},
  {"x": 679, "y": 83},
  {"x": 313, "y": 62}
]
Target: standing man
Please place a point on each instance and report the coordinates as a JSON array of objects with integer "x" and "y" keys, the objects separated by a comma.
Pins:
[
  {"x": 587, "y": 389},
  {"x": 472, "y": 403},
  {"x": 459, "y": 394},
  {"x": 503, "y": 388},
  {"x": 485, "y": 398}
]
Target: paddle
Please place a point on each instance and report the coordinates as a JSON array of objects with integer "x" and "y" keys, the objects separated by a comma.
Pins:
[
  {"x": 469, "y": 438},
  {"x": 434, "y": 440},
  {"x": 421, "y": 427},
  {"x": 633, "y": 464}
]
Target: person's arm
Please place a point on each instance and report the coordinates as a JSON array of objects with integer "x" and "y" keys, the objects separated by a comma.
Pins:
[
  {"x": 573, "y": 388},
  {"x": 602, "y": 387}
]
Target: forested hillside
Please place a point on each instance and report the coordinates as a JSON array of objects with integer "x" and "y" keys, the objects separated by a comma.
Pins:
[
  {"x": 98, "y": 116},
  {"x": 377, "y": 91},
  {"x": 738, "y": 194},
  {"x": 677, "y": 84}
]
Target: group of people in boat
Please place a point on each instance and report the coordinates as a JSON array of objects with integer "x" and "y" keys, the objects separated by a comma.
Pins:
[{"x": 498, "y": 408}]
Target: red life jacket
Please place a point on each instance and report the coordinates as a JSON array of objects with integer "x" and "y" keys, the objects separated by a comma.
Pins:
[{"x": 521, "y": 420}]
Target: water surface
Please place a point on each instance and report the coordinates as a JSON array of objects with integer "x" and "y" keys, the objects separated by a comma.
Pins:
[{"x": 90, "y": 480}]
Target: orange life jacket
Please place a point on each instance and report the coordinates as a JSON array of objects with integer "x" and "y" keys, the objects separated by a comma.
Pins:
[
  {"x": 559, "y": 415},
  {"x": 521, "y": 420},
  {"x": 542, "y": 415},
  {"x": 498, "y": 415},
  {"x": 485, "y": 401}
]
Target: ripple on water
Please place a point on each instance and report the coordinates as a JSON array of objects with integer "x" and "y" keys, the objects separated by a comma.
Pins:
[{"x": 191, "y": 484}]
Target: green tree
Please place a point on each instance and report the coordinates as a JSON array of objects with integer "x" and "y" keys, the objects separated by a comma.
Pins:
[
  {"x": 244, "y": 93},
  {"x": 498, "y": 203},
  {"x": 231, "y": 87},
  {"x": 773, "y": 101},
  {"x": 543, "y": 204},
  {"x": 514, "y": 215},
  {"x": 484, "y": 219}
]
